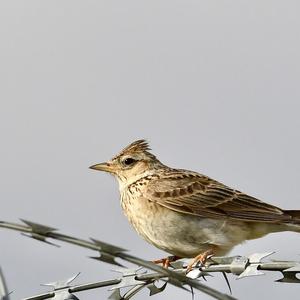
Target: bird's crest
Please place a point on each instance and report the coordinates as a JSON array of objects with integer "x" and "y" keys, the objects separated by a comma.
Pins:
[{"x": 135, "y": 147}]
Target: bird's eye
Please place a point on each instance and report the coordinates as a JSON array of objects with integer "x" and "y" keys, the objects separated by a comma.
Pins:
[{"x": 129, "y": 161}]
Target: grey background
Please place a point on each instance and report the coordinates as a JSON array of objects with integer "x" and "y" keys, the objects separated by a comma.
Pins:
[{"x": 213, "y": 85}]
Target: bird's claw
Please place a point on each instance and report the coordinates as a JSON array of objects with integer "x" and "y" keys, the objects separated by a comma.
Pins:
[
  {"x": 199, "y": 260},
  {"x": 166, "y": 262}
]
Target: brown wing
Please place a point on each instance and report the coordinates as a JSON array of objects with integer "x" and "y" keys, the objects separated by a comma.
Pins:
[{"x": 195, "y": 194}]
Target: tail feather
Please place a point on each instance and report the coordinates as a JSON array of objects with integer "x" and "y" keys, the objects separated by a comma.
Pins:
[{"x": 295, "y": 214}]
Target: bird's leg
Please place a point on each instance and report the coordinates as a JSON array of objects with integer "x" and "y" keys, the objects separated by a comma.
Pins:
[
  {"x": 166, "y": 262},
  {"x": 200, "y": 259}
]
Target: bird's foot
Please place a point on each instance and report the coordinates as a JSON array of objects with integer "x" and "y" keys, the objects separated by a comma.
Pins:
[
  {"x": 200, "y": 260},
  {"x": 166, "y": 262}
]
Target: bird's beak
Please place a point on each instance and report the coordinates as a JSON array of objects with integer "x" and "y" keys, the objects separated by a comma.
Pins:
[{"x": 106, "y": 167}]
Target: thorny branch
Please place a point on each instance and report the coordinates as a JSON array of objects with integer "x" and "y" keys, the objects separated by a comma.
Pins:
[
  {"x": 4, "y": 294},
  {"x": 135, "y": 280}
]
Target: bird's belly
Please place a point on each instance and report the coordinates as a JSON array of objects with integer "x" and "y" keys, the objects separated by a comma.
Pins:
[{"x": 181, "y": 234}]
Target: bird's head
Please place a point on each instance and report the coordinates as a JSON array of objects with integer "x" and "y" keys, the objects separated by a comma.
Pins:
[{"x": 132, "y": 162}]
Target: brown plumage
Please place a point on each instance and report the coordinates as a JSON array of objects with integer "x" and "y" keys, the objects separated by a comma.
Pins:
[
  {"x": 135, "y": 147},
  {"x": 186, "y": 213},
  {"x": 192, "y": 193}
]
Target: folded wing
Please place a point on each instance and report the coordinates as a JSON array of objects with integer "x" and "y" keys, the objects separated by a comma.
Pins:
[{"x": 195, "y": 194}]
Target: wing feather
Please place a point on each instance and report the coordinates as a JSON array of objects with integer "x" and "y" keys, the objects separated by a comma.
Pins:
[{"x": 196, "y": 194}]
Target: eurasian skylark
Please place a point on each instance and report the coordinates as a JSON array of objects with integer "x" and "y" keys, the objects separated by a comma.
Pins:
[{"x": 186, "y": 213}]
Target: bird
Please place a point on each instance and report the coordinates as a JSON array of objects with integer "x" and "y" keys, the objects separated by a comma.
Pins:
[{"x": 188, "y": 214}]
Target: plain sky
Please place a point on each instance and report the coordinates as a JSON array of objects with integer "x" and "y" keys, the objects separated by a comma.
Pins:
[{"x": 213, "y": 85}]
